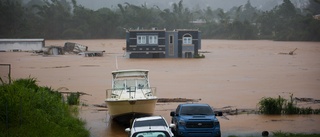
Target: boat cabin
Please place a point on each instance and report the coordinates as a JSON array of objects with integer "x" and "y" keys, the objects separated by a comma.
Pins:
[{"x": 154, "y": 43}]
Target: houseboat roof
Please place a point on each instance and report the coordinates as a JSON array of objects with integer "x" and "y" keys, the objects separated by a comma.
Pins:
[{"x": 19, "y": 40}]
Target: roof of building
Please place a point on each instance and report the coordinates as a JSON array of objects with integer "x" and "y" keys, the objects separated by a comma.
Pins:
[{"x": 20, "y": 40}]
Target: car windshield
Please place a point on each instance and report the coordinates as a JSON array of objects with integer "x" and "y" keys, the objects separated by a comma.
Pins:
[
  {"x": 151, "y": 134},
  {"x": 196, "y": 110},
  {"x": 154, "y": 122}
]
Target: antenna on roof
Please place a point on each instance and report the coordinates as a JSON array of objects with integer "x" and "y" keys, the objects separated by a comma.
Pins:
[{"x": 116, "y": 63}]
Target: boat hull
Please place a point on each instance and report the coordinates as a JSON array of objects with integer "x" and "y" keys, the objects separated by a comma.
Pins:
[{"x": 124, "y": 111}]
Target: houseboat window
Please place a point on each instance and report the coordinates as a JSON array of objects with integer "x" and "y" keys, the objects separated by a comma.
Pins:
[
  {"x": 141, "y": 40},
  {"x": 187, "y": 39},
  {"x": 153, "y": 39}
]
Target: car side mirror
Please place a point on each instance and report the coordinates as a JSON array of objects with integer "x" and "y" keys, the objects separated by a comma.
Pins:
[
  {"x": 172, "y": 113},
  {"x": 127, "y": 130},
  {"x": 172, "y": 125},
  {"x": 218, "y": 113}
]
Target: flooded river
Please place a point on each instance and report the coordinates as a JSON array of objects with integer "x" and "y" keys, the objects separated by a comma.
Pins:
[{"x": 233, "y": 73}]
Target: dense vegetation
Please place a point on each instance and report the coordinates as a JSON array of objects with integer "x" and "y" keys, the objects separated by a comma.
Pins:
[
  {"x": 268, "y": 105},
  {"x": 29, "y": 110},
  {"x": 60, "y": 19}
]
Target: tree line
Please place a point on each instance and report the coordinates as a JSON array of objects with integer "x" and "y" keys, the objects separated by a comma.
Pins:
[{"x": 61, "y": 19}]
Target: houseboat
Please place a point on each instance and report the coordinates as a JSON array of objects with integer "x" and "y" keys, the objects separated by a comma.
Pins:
[{"x": 156, "y": 43}]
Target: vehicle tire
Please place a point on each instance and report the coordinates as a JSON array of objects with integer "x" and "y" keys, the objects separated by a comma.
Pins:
[
  {"x": 219, "y": 134},
  {"x": 175, "y": 132}
]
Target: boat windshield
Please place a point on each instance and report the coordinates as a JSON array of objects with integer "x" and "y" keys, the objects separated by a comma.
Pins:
[{"x": 127, "y": 83}]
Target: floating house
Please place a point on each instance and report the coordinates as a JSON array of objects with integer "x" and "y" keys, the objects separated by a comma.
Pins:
[
  {"x": 154, "y": 43},
  {"x": 21, "y": 44},
  {"x": 74, "y": 47},
  {"x": 53, "y": 50}
]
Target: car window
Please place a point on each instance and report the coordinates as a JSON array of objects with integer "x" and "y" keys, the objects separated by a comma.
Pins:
[
  {"x": 155, "y": 122},
  {"x": 196, "y": 110},
  {"x": 178, "y": 109},
  {"x": 151, "y": 134}
]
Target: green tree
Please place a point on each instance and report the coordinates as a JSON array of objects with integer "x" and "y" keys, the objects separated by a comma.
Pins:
[
  {"x": 179, "y": 18},
  {"x": 313, "y": 7},
  {"x": 52, "y": 17},
  {"x": 11, "y": 18}
]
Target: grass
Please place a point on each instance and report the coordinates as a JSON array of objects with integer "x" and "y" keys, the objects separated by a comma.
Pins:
[
  {"x": 29, "y": 110},
  {"x": 271, "y": 105},
  {"x": 73, "y": 98},
  {"x": 282, "y": 106}
]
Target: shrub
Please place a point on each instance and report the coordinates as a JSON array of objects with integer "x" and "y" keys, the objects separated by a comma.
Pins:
[
  {"x": 290, "y": 107},
  {"x": 73, "y": 98},
  {"x": 29, "y": 110},
  {"x": 271, "y": 105},
  {"x": 282, "y": 106}
]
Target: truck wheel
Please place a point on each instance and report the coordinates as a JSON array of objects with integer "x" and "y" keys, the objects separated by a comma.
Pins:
[{"x": 175, "y": 132}]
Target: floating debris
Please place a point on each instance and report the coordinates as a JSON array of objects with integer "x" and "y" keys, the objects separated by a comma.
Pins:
[
  {"x": 92, "y": 53},
  {"x": 74, "y": 47},
  {"x": 178, "y": 100},
  {"x": 290, "y": 53},
  {"x": 80, "y": 93}
]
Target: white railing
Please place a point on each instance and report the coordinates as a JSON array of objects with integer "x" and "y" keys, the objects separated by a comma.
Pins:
[{"x": 116, "y": 93}]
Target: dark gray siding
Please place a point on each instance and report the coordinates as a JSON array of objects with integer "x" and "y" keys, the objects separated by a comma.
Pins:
[
  {"x": 195, "y": 40},
  {"x": 163, "y": 48},
  {"x": 173, "y": 46}
]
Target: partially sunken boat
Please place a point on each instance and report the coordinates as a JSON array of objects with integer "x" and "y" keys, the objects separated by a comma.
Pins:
[{"x": 131, "y": 95}]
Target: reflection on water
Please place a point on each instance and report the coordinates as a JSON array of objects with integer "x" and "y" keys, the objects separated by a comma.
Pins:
[
  {"x": 100, "y": 124},
  {"x": 114, "y": 129}
]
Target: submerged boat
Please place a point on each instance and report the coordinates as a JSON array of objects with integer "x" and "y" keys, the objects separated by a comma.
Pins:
[{"x": 131, "y": 95}]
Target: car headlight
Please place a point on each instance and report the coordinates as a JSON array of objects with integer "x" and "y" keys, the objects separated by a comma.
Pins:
[
  {"x": 182, "y": 122},
  {"x": 216, "y": 123}
]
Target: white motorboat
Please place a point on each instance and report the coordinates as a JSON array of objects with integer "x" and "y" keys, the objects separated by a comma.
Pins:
[{"x": 131, "y": 95}]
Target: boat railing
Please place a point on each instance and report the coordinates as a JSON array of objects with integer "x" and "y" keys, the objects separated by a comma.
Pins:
[
  {"x": 152, "y": 91},
  {"x": 116, "y": 93}
]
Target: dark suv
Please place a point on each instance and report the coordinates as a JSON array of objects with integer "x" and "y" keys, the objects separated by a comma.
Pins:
[{"x": 195, "y": 120}]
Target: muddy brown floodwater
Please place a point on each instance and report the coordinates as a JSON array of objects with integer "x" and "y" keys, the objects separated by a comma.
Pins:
[{"x": 233, "y": 73}]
